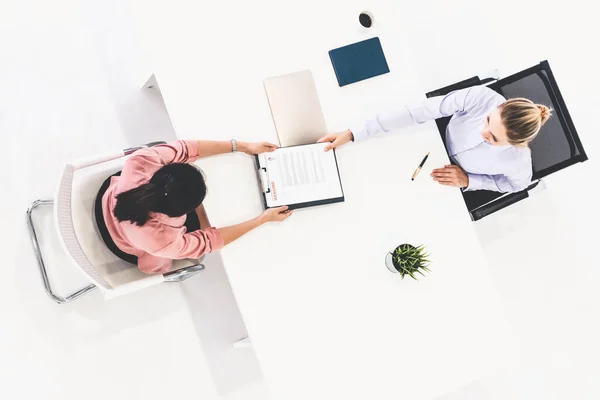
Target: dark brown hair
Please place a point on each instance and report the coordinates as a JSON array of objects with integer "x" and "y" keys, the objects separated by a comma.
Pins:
[{"x": 175, "y": 190}]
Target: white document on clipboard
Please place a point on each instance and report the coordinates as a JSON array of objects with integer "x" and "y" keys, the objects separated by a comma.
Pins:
[{"x": 300, "y": 176}]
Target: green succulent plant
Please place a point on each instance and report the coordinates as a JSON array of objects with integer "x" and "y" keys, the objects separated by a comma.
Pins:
[{"x": 409, "y": 260}]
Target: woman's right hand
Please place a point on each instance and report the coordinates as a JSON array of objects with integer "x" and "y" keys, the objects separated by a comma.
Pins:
[
  {"x": 336, "y": 139},
  {"x": 277, "y": 214},
  {"x": 233, "y": 232}
]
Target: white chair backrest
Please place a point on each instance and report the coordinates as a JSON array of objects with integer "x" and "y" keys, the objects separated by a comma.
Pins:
[
  {"x": 75, "y": 222},
  {"x": 66, "y": 229}
]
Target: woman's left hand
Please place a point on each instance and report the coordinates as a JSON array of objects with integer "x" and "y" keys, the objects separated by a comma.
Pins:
[
  {"x": 258, "y": 148},
  {"x": 451, "y": 175}
]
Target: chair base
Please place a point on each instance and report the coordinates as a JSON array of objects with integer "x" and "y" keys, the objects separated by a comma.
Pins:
[{"x": 40, "y": 259}]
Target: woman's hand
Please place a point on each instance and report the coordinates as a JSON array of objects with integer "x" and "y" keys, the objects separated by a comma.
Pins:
[
  {"x": 451, "y": 175},
  {"x": 233, "y": 232},
  {"x": 275, "y": 214},
  {"x": 256, "y": 148},
  {"x": 336, "y": 139}
]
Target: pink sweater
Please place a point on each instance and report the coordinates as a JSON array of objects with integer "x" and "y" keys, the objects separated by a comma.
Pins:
[{"x": 162, "y": 238}]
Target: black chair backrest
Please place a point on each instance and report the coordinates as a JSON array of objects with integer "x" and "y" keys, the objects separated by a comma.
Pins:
[{"x": 556, "y": 147}]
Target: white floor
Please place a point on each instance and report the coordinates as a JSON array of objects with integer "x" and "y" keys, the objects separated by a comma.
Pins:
[
  {"x": 219, "y": 324},
  {"x": 550, "y": 296},
  {"x": 69, "y": 86}
]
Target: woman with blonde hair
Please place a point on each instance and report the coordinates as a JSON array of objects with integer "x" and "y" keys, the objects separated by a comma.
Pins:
[{"x": 486, "y": 137}]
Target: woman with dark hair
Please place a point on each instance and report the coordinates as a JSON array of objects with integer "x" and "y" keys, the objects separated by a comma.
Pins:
[{"x": 151, "y": 212}]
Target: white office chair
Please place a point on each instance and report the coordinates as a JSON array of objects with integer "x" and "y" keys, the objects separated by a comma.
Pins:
[{"x": 77, "y": 231}]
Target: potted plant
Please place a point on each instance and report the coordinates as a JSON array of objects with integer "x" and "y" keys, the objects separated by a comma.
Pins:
[{"x": 407, "y": 259}]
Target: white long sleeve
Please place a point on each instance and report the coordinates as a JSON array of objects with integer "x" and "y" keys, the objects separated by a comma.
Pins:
[
  {"x": 427, "y": 110},
  {"x": 497, "y": 168}
]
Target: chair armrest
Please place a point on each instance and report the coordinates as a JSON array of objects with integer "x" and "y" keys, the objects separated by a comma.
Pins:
[
  {"x": 183, "y": 273},
  {"x": 99, "y": 159},
  {"x": 130, "y": 150},
  {"x": 498, "y": 205}
]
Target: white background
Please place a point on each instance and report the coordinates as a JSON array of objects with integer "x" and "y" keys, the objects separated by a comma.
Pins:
[{"x": 69, "y": 73}]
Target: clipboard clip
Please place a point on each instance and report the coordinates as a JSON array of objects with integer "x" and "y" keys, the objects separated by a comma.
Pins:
[{"x": 264, "y": 180}]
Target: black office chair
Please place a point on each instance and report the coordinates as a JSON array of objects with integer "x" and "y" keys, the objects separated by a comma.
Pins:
[{"x": 556, "y": 147}]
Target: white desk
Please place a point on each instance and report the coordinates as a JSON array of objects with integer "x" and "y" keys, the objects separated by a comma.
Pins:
[{"x": 326, "y": 317}]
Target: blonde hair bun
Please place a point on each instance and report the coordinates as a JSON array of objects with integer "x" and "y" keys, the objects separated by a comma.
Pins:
[
  {"x": 545, "y": 113},
  {"x": 523, "y": 119}
]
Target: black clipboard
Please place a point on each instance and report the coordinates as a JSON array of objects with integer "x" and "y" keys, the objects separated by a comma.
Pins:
[{"x": 264, "y": 188}]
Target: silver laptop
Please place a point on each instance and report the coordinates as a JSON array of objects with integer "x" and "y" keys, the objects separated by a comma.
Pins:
[{"x": 295, "y": 108}]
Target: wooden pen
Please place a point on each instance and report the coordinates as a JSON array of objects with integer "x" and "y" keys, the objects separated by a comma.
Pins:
[{"x": 414, "y": 175}]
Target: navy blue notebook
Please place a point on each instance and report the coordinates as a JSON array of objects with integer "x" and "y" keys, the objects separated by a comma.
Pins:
[{"x": 358, "y": 61}]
